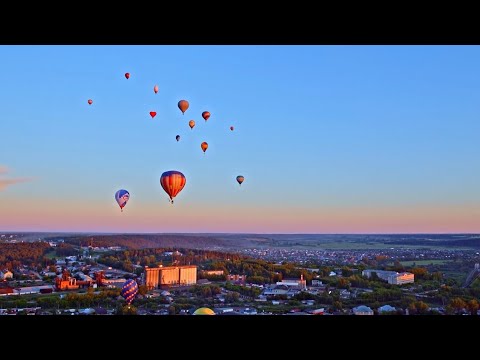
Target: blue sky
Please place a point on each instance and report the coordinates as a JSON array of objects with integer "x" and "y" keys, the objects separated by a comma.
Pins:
[{"x": 336, "y": 131}]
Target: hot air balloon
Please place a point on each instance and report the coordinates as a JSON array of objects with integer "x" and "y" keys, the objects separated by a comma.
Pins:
[
  {"x": 206, "y": 115},
  {"x": 155, "y": 89},
  {"x": 90, "y": 101},
  {"x": 129, "y": 290},
  {"x": 172, "y": 182},
  {"x": 231, "y": 128},
  {"x": 183, "y": 106},
  {"x": 177, "y": 137},
  {"x": 191, "y": 123},
  {"x": 204, "y": 146},
  {"x": 122, "y": 196},
  {"x": 240, "y": 179},
  {"x": 127, "y": 75},
  {"x": 153, "y": 114}
]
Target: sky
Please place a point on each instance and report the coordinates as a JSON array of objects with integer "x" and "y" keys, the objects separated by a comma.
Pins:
[{"x": 330, "y": 139}]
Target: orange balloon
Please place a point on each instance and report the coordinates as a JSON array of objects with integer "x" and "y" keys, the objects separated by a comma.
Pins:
[
  {"x": 155, "y": 88},
  {"x": 204, "y": 146},
  {"x": 90, "y": 101},
  {"x": 191, "y": 123},
  {"x": 183, "y": 106},
  {"x": 172, "y": 182},
  {"x": 206, "y": 115},
  {"x": 127, "y": 75}
]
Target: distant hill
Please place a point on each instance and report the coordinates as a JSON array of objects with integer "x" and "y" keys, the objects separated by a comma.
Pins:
[
  {"x": 226, "y": 241},
  {"x": 142, "y": 241}
]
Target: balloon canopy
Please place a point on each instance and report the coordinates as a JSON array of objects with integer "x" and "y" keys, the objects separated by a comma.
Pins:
[
  {"x": 240, "y": 179},
  {"x": 129, "y": 290},
  {"x": 206, "y": 115},
  {"x": 173, "y": 182},
  {"x": 122, "y": 196},
  {"x": 183, "y": 105},
  {"x": 204, "y": 311}
]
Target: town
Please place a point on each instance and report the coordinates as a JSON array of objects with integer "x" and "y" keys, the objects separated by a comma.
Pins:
[{"x": 58, "y": 277}]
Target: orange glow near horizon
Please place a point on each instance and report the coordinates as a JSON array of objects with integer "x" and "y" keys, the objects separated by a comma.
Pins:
[{"x": 183, "y": 217}]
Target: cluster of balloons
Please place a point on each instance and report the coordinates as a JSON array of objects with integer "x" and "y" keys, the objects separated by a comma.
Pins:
[{"x": 172, "y": 181}]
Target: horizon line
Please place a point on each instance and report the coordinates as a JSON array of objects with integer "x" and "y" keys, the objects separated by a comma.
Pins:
[{"x": 230, "y": 233}]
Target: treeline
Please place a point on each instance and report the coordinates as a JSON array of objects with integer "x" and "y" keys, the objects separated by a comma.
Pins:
[
  {"x": 127, "y": 259},
  {"x": 147, "y": 241},
  {"x": 471, "y": 241},
  {"x": 13, "y": 255}
]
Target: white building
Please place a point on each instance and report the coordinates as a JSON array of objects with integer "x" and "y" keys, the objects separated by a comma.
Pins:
[
  {"x": 295, "y": 283},
  {"x": 392, "y": 277},
  {"x": 386, "y": 309},
  {"x": 362, "y": 310}
]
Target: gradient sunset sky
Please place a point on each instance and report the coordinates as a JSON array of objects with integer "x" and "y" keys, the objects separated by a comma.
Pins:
[{"x": 330, "y": 139}]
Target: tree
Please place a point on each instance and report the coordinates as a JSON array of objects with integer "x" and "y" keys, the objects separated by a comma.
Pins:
[
  {"x": 142, "y": 289},
  {"x": 457, "y": 304},
  {"x": 422, "y": 307},
  {"x": 473, "y": 306}
]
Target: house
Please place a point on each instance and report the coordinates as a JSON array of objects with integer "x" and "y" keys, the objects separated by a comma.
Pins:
[
  {"x": 362, "y": 310},
  {"x": 5, "y": 274},
  {"x": 386, "y": 309}
]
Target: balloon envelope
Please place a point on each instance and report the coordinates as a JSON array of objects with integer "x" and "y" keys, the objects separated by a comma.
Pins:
[
  {"x": 191, "y": 123},
  {"x": 153, "y": 113},
  {"x": 204, "y": 146},
  {"x": 177, "y": 137},
  {"x": 231, "y": 128},
  {"x": 183, "y": 105},
  {"x": 90, "y": 101},
  {"x": 129, "y": 290},
  {"x": 206, "y": 115},
  {"x": 122, "y": 196},
  {"x": 127, "y": 75},
  {"x": 240, "y": 179},
  {"x": 172, "y": 182},
  {"x": 155, "y": 88}
]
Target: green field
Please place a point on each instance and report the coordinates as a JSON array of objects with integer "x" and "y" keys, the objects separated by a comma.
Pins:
[
  {"x": 51, "y": 254},
  {"x": 424, "y": 262},
  {"x": 342, "y": 245}
]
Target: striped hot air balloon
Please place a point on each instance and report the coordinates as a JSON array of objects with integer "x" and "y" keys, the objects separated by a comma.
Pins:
[
  {"x": 129, "y": 290},
  {"x": 172, "y": 182}
]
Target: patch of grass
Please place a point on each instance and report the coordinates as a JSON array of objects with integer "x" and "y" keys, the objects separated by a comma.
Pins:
[
  {"x": 51, "y": 254},
  {"x": 424, "y": 262}
]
